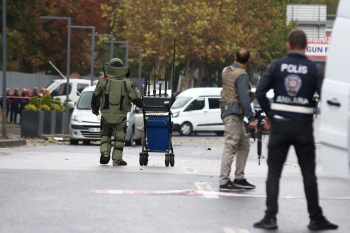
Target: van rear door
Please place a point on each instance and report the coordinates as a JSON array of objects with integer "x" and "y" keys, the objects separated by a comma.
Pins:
[{"x": 335, "y": 98}]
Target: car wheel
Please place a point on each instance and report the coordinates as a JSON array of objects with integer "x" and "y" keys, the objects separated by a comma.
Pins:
[
  {"x": 186, "y": 129},
  {"x": 74, "y": 142},
  {"x": 131, "y": 141},
  {"x": 219, "y": 133}
]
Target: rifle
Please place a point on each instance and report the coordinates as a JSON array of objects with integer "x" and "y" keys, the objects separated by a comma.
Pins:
[{"x": 258, "y": 135}]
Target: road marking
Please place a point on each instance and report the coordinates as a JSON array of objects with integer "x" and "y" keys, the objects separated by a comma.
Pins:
[
  {"x": 192, "y": 192},
  {"x": 202, "y": 186},
  {"x": 236, "y": 230},
  {"x": 189, "y": 170}
]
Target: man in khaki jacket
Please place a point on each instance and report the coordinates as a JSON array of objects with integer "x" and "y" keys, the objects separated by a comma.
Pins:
[{"x": 235, "y": 106}]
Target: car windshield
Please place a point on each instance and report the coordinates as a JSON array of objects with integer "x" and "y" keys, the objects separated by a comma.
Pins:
[
  {"x": 85, "y": 100},
  {"x": 50, "y": 85},
  {"x": 181, "y": 102}
]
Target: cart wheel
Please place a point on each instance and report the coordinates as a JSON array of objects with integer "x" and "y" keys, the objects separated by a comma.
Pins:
[
  {"x": 141, "y": 160},
  {"x": 145, "y": 159},
  {"x": 167, "y": 160},
  {"x": 172, "y": 160}
]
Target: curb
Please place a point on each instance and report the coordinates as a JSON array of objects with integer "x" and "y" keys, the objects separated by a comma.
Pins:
[{"x": 12, "y": 143}]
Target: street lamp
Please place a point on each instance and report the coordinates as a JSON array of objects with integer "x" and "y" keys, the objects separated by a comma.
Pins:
[
  {"x": 126, "y": 51},
  {"x": 92, "y": 48},
  {"x": 4, "y": 52},
  {"x": 140, "y": 61},
  {"x": 108, "y": 35},
  {"x": 68, "y": 62}
]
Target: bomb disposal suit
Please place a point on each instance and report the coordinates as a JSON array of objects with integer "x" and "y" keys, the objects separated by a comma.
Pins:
[{"x": 113, "y": 96}]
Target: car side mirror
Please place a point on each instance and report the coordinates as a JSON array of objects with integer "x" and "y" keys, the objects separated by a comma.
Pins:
[{"x": 70, "y": 105}]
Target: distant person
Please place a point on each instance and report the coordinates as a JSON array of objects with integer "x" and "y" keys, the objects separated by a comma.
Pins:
[
  {"x": 14, "y": 105},
  {"x": 294, "y": 80},
  {"x": 235, "y": 106},
  {"x": 35, "y": 92},
  {"x": 113, "y": 96},
  {"x": 24, "y": 100},
  {"x": 7, "y": 102}
]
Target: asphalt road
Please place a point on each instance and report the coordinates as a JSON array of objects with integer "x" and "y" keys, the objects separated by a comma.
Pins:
[{"x": 48, "y": 187}]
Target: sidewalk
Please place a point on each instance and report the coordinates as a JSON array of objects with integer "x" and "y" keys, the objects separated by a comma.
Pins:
[{"x": 14, "y": 136}]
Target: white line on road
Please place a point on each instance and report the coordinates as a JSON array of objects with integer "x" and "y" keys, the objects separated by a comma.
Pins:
[
  {"x": 236, "y": 230},
  {"x": 189, "y": 170},
  {"x": 202, "y": 186}
]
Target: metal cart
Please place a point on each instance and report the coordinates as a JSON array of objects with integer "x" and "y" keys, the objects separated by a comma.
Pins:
[{"x": 157, "y": 129}]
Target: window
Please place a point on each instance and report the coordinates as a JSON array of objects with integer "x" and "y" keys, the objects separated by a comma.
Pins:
[
  {"x": 214, "y": 103},
  {"x": 81, "y": 87},
  {"x": 197, "y": 104},
  {"x": 85, "y": 100},
  {"x": 180, "y": 102}
]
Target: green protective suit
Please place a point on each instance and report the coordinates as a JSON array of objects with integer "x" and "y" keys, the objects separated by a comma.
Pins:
[{"x": 113, "y": 96}]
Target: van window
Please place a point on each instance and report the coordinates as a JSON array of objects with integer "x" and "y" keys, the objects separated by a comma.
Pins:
[
  {"x": 214, "y": 103},
  {"x": 60, "y": 90},
  {"x": 81, "y": 87},
  {"x": 180, "y": 102},
  {"x": 197, "y": 104},
  {"x": 85, "y": 100}
]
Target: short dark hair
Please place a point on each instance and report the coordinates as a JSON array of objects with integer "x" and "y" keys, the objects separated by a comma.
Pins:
[
  {"x": 242, "y": 55},
  {"x": 297, "y": 39}
]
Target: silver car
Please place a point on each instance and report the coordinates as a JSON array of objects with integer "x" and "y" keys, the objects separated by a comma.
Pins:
[{"x": 85, "y": 126}]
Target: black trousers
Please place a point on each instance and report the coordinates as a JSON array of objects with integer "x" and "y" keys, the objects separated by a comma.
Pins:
[
  {"x": 13, "y": 115},
  {"x": 286, "y": 133}
]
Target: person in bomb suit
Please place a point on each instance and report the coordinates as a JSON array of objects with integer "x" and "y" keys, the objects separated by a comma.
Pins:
[{"x": 113, "y": 96}]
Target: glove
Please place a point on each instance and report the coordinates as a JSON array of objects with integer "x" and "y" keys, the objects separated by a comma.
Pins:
[{"x": 95, "y": 112}]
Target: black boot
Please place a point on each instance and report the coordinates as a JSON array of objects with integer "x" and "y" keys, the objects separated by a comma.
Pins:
[
  {"x": 322, "y": 224},
  {"x": 104, "y": 159},
  {"x": 266, "y": 223}
]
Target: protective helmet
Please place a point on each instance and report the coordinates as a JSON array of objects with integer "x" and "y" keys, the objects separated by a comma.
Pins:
[{"x": 115, "y": 62}]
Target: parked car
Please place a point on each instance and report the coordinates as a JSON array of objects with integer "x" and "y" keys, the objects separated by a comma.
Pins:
[
  {"x": 85, "y": 126},
  {"x": 335, "y": 99},
  {"x": 198, "y": 109},
  {"x": 57, "y": 88}
]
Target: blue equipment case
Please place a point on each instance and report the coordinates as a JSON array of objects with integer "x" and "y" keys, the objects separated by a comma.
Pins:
[{"x": 157, "y": 128}]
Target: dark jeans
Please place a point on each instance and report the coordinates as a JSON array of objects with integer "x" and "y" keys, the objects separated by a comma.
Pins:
[
  {"x": 299, "y": 134},
  {"x": 13, "y": 115}
]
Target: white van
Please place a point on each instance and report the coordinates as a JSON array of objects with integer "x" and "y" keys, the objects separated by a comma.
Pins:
[
  {"x": 198, "y": 109},
  {"x": 57, "y": 88},
  {"x": 335, "y": 98}
]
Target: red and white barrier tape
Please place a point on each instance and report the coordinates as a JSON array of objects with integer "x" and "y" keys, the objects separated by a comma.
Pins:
[
  {"x": 172, "y": 192},
  {"x": 195, "y": 193}
]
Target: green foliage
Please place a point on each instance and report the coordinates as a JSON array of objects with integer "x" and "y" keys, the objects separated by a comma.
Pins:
[
  {"x": 46, "y": 100},
  {"x": 31, "y": 107},
  {"x": 56, "y": 107},
  {"x": 57, "y": 100},
  {"x": 34, "y": 101},
  {"x": 44, "y": 107}
]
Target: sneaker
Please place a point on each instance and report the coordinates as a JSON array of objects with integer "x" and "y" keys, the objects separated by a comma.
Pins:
[
  {"x": 104, "y": 159},
  {"x": 322, "y": 224},
  {"x": 243, "y": 183},
  {"x": 230, "y": 187},
  {"x": 119, "y": 163},
  {"x": 266, "y": 223}
]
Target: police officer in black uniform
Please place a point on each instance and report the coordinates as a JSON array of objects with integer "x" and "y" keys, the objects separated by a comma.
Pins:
[{"x": 295, "y": 79}]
